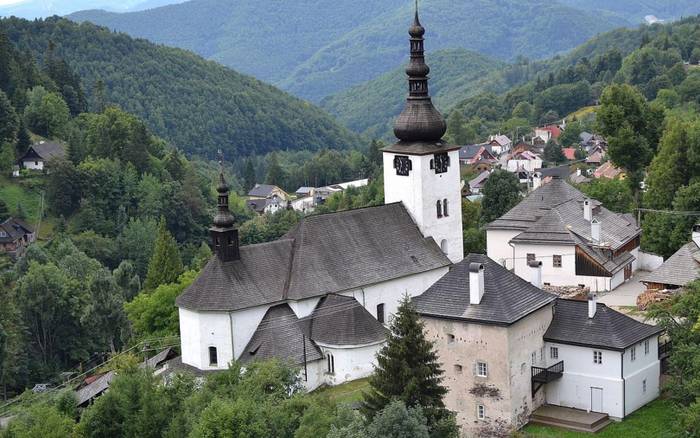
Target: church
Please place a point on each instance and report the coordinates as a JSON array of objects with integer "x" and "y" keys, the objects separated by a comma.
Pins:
[{"x": 322, "y": 295}]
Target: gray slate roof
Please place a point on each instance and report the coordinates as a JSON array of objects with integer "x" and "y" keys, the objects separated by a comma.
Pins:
[
  {"x": 14, "y": 229},
  {"x": 507, "y": 297},
  {"x": 262, "y": 190},
  {"x": 567, "y": 217},
  {"x": 323, "y": 254},
  {"x": 280, "y": 335},
  {"x": 48, "y": 150},
  {"x": 467, "y": 152},
  {"x": 559, "y": 171},
  {"x": 341, "y": 320},
  {"x": 94, "y": 389},
  {"x": 480, "y": 180},
  {"x": 535, "y": 205},
  {"x": 609, "y": 329},
  {"x": 681, "y": 268}
]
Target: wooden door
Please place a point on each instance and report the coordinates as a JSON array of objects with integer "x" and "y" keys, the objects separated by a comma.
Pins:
[
  {"x": 596, "y": 399},
  {"x": 628, "y": 272}
]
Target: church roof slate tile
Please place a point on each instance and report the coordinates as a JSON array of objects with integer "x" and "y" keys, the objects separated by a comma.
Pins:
[
  {"x": 681, "y": 268},
  {"x": 507, "y": 297},
  {"x": 323, "y": 254},
  {"x": 342, "y": 320}
]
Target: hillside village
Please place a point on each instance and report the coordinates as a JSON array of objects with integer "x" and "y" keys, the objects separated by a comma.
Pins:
[{"x": 527, "y": 265}]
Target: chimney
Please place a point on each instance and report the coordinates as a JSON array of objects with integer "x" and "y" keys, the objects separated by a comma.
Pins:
[
  {"x": 587, "y": 210},
  {"x": 595, "y": 230},
  {"x": 476, "y": 283},
  {"x": 592, "y": 304},
  {"x": 535, "y": 273},
  {"x": 696, "y": 234},
  {"x": 536, "y": 180}
]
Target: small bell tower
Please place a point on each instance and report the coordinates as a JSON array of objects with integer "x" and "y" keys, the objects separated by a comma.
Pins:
[{"x": 224, "y": 236}]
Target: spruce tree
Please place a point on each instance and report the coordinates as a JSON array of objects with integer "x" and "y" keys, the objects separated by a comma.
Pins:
[
  {"x": 165, "y": 264},
  {"x": 249, "y": 176},
  {"x": 408, "y": 370},
  {"x": 23, "y": 138},
  {"x": 4, "y": 211}
]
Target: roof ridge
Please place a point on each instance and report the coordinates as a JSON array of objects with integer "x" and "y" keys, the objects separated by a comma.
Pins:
[{"x": 367, "y": 207}]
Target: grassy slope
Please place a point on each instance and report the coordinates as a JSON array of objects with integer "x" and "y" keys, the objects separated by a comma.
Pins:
[
  {"x": 654, "y": 420},
  {"x": 350, "y": 392},
  {"x": 27, "y": 192}
]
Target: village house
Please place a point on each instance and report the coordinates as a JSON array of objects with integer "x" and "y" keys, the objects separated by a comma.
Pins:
[
  {"x": 480, "y": 157},
  {"x": 508, "y": 348},
  {"x": 679, "y": 270},
  {"x": 526, "y": 160},
  {"x": 476, "y": 185},
  {"x": 609, "y": 171},
  {"x": 266, "y": 191},
  {"x": 15, "y": 237},
  {"x": 578, "y": 240},
  {"x": 500, "y": 143},
  {"x": 321, "y": 295},
  {"x": 39, "y": 154},
  {"x": 267, "y": 198},
  {"x": 546, "y": 133}
]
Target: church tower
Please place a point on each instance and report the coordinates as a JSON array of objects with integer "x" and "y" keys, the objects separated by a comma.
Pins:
[
  {"x": 421, "y": 170},
  {"x": 224, "y": 236}
]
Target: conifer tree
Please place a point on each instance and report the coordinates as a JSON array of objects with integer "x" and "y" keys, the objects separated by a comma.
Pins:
[
  {"x": 249, "y": 176},
  {"x": 4, "y": 211},
  {"x": 408, "y": 370},
  {"x": 23, "y": 138},
  {"x": 165, "y": 265}
]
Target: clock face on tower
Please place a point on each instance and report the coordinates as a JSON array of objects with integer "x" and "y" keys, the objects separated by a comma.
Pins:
[
  {"x": 403, "y": 165},
  {"x": 442, "y": 162}
]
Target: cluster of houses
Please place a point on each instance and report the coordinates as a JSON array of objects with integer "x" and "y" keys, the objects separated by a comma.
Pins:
[
  {"x": 513, "y": 350},
  {"x": 268, "y": 198},
  {"x": 323, "y": 295},
  {"x": 525, "y": 158}
]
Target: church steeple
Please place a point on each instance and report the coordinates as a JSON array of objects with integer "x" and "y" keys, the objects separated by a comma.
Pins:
[
  {"x": 419, "y": 121},
  {"x": 223, "y": 234}
]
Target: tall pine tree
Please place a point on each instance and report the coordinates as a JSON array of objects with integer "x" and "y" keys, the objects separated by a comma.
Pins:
[
  {"x": 408, "y": 370},
  {"x": 165, "y": 264},
  {"x": 249, "y": 176}
]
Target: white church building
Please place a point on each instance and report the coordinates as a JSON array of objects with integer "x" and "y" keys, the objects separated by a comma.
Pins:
[{"x": 321, "y": 295}]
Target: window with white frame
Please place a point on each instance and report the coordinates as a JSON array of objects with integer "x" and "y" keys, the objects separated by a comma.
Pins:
[
  {"x": 633, "y": 353},
  {"x": 482, "y": 369},
  {"x": 213, "y": 357},
  {"x": 480, "y": 412},
  {"x": 553, "y": 353},
  {"x": 534, "y": 357},
  {"x": 556, "y": 260},
  {"x": 597, "y": 357},
  {"x": 330, "y": 360},
  {"x": 646, "y": 347},
  {"x": 542, "y": 354}
]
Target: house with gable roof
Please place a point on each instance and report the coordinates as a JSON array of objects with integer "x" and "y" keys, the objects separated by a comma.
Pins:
[
  {"x": 39, "y": 154},
  {"x": 15, "y": 236},
  {"x": 513, "y": 353},
  {"x": 679, "y": 270},
  {"x": 578, "y": 240}
]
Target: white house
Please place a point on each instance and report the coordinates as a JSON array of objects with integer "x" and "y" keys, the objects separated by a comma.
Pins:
[
  {"x": 610, "y": 361},
  {"x": 500, "y": 143},
  {"x": 526, "y": 160},
  {"x": 320, "y": 295},
  {"x": 578, "y": 240},
  {"x": 40, "y": 153},
  {"x": 508, "y": 348}
]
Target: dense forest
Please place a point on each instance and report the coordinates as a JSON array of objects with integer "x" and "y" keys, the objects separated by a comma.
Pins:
[
  {"x": 459, "y": 83},
  {"x": 370, "y": 108},
  {"x": 197, "y": 105},
  {"x": 329, "y": 46}
]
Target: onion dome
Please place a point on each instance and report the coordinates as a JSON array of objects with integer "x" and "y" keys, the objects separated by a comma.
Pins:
[
  {"x": 420, "y": 120},
  {"x": 223, "y": 217}
]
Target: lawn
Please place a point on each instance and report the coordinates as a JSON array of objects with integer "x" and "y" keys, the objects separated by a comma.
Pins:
[
  {"x": 27, "y": 193},
  {"x": 655, "y": 420},
  {"x": 350, "y": 392}
]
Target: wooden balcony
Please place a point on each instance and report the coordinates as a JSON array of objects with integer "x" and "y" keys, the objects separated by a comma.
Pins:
[{"x": 541, "y": 376}]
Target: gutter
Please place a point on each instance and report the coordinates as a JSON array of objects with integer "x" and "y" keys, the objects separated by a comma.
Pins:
[
  {"x": 624, "y": 390},
  {"x": 512, "y": 246}
]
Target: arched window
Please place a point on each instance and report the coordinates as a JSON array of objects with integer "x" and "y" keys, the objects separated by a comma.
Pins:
[
  {"x": 331, "y": 363},
  {"x": 213, "y": 357},
  {"x": 444, "y": 208},
  {"x": 443, "y": 246},
  {"x": 439, "y": 209}
]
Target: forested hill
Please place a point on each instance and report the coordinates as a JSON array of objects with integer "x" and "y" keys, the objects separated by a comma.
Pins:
[
  {"x": 455, "y": 74},
  {"x": 314, "y": 48},
  {"x": 197, "y": 105}
]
